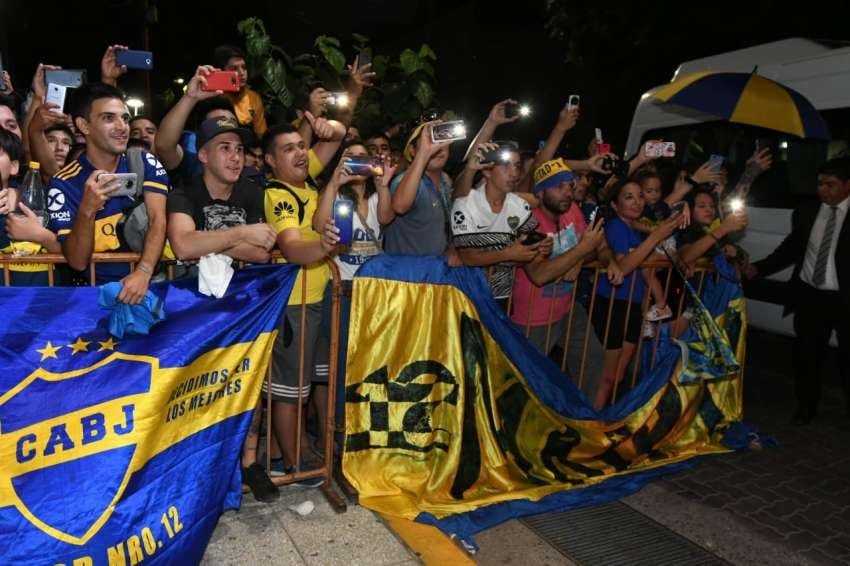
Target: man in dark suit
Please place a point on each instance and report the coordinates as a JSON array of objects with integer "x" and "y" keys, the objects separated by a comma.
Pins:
[{"x": 819, "y": 249}]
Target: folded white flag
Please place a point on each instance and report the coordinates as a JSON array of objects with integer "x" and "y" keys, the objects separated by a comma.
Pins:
[{"x": 214, "y": 274}]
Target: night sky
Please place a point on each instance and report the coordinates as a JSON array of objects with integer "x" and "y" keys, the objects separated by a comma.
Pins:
[{"x": 486, "y": 51}]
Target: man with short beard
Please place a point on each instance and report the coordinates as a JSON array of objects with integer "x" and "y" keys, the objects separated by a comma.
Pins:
[
  {"x": 84, "y": 214},
  {"x": 573, "y": 242}
]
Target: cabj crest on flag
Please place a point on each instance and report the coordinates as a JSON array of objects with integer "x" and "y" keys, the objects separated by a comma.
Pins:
[{"x": 120, "y": 452}]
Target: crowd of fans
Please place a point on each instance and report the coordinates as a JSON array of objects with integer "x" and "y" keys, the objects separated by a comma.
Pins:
[{"x": 237, "y": 186}]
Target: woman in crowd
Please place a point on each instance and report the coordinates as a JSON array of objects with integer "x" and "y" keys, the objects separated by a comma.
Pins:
[
  {"x": 708, "y": 236},
  {"x": 631, "y": 249},
  {"x": 373, "y": 210}
]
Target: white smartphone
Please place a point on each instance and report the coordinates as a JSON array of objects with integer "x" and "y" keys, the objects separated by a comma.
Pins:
[
  {"x": 56, "y": 95},
  {"x": 598, "y": 135}
]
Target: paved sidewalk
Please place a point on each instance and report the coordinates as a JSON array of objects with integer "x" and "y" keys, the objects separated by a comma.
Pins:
[
  {"x": 271, "y": 535},
  {"x": 785, "y": 505}
]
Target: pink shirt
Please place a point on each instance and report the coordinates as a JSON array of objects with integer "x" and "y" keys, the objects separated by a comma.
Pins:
[{"x": 538, "y": 300}]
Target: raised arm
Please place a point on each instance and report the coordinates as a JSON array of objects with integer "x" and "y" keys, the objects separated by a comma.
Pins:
[
  {"x": 109, "y": 71},
  {"x": 408, "y": 187},
  {"x": 42, "y": 117},
  {"x": 330, "y": 134},
  {"x": 171, "y": 128}
]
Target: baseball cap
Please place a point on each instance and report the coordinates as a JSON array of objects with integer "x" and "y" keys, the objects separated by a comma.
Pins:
[
  {"x": 221, "y": 125},
  {"x": 551, "y": 174}
]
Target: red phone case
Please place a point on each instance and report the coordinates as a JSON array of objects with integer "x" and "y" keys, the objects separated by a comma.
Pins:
[
  {"x": 226, "y": 81},
  {"x": 604, "y": 148}
]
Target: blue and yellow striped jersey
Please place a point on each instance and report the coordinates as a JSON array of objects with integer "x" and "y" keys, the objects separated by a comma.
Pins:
[{"x": 65, "y": 192}]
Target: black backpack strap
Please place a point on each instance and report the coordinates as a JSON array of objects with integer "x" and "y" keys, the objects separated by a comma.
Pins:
[{"x": 302, "y": 206}]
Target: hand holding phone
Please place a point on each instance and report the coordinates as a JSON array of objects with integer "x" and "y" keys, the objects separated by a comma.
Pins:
[
  {"x": 573, "y": 102},
  {"x": 134, "y": 59},
  {"x": 225, "y": 81},
  {"x": 448, "y": 132},
  {"x": 363, "y": 165},
  {"x": 125, "y": 183},
  {"x": 56, "y": 94},
  {"x": 715, "y": 162}
]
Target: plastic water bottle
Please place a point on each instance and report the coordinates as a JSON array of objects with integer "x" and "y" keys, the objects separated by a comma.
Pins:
[{"x": 32, "y": 195}]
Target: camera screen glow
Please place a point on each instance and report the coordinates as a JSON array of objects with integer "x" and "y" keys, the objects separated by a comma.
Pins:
[
  {"x": 736, "y": 204},
  {"x": 459, "y": 130}
]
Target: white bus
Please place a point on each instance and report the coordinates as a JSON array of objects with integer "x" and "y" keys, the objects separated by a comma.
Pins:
[{"x": 820, "y": 71}]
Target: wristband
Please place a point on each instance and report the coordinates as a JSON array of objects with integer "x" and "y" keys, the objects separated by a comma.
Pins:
[{"x": 143, "y": 269}]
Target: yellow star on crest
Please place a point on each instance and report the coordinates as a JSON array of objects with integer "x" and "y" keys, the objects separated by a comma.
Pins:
[
  {"x": 108, "y": 345},
  {"x": 49, "y": 351},
  {"x": 79, "y": 346}
]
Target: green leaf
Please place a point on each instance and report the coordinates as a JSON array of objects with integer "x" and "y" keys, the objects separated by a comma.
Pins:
[
  {"x": 332, "y": 55},
  {"x": 275, "y": 76},
  {"x": 326, "y": 40},
  {"x": 409, "y": 61},
  {"x": 426, "y": 52},
  {"x": 362, "y": 39},
  {"x": 258, "y": 45},
  {"x": 380, "y": 63},
  {"x": 423, "y": 93}
]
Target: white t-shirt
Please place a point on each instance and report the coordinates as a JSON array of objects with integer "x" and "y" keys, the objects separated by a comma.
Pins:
[
  {"x": 362, "y": 246},
  {"x": 475, "y": 225}
]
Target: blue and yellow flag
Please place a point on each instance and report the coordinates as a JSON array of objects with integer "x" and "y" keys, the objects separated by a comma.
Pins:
[
  {"x": 126, "y": 452},
  {"x": 453, "y": 418}
]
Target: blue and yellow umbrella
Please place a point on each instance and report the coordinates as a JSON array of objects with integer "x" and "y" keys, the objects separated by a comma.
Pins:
[{"x": 747, "y": 98}]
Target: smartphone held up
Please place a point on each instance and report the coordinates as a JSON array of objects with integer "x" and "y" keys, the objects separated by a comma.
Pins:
[
  {"x": 344, "y": 220},
  {"x": 363, "y": 165},
  {"x": 448, "y": 131}
]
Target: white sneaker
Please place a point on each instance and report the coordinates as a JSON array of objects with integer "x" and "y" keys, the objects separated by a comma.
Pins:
[
  {"x": 648, "y": 329},
  {"x": 655, "y": 314}
]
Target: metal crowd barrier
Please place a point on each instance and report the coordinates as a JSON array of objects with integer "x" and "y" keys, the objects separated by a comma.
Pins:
[
  {"x": 665, "y": 274},
  {"x": 325, "y": 471}
]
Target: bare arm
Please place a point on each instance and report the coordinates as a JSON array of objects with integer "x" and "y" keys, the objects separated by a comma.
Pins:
[
  {"x": 732, "y": 223},
  {"x": 386, "y": 214},
  {"x": 189, "y": 243},
  {"x": 405, "y": 194},
  {"x": 78, "y": 246},
  {"x": 517, "y": 252},
  {"x": 299, "y": 252},
  {"x": 43, "y": 116},
  {"x": 28, "y": 228},
  {"x": 631, "y": 261},
  {"x": 171, "y": 128},
  {"x": 330, "y": 133}
]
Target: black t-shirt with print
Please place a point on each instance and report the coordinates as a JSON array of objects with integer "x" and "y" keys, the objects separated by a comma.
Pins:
[{"x": 245, "y": 205}]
